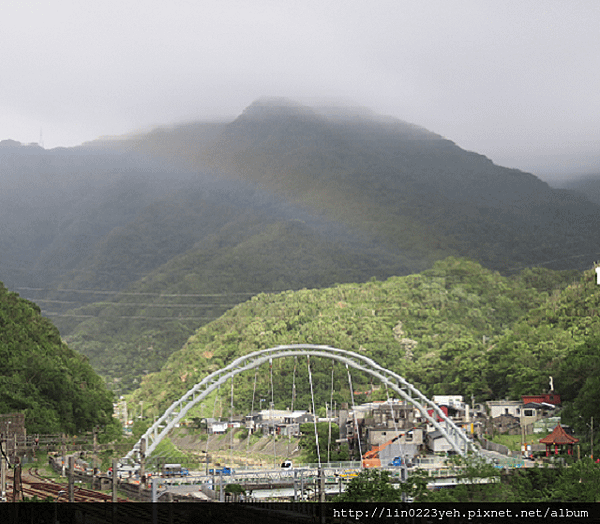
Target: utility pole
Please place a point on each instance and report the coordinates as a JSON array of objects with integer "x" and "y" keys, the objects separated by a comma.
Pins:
[
  {"x": 295, "y": 485},
  {"x": 17, "y": 485},
  {"x": 2, "y": 471},
  {"x": 114, "y": 480},
  {"x": 321, "y": 486},
  {"x": 71, "y": 478},
  {"x": 63, "y": 449},
  {"x": 142, "y": 471},
  {"x": 221, "y": 487},
  {"x": 592, "y": 442}
]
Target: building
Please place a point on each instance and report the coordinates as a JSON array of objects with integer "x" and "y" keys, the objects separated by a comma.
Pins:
[
  {"x": 546, "y": 398},
  {"x": 508, "y": 424},
  {"x": 378, "y": 436},
  {"x": 216, "y": 427},
  {"x": 393, "y": 414},
  {"x": 559, "y": 437},
  {"x": 437, "y": 443},
  {"x": 504, "y": 407},
  {"x": 278, "y": 421},
  {"x": 512, "y": 416}
]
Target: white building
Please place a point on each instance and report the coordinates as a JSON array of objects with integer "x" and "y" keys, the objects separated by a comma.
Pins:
[{"x": 498, "y": 408}]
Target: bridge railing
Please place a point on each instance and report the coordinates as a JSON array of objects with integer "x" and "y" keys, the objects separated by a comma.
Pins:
[{"x": 335, "y": 465}]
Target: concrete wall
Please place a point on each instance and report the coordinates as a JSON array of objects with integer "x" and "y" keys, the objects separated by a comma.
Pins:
[{"x": 493, "y": 446}]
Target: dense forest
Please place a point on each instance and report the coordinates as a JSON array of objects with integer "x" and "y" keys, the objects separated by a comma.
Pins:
[
  {"x": 55, "y": 387},
  {"x": 457, "y": 328}
]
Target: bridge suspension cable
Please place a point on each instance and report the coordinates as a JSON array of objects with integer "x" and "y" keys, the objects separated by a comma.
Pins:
[
  {"x": 329, "y": 415},
  {"x": 252, "y": 410},
  {"x": 356, "y": 429},
  {"x": 314, "y": 411}
]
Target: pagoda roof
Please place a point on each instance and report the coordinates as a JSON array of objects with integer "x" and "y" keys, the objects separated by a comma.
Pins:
[{"x": 559, "y": 436}]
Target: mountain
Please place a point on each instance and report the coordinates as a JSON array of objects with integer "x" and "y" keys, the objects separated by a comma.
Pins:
[
  {"x": 54, "y": 386},
  {"x": 440, "y": 329},
  {"x": 588, "y": 185},
  {"x": 455, "y": 329},
  {"x": 57, "y": 205},
  {"x": 401, "y": 184},
  {"x": 130, "y": 243}
]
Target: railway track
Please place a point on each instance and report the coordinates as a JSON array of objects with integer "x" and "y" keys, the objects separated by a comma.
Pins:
[
  {"x": 34, "y": 485},
  {"x": 86, "y": 504}
]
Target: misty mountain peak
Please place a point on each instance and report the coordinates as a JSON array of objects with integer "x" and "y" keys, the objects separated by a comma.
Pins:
[
  {"x": 269, "y": 108},
  {"x": 9, "y": 143},
  {"x": 341, "y": 116}
]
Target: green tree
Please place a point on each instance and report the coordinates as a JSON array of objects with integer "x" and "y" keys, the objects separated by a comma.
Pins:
[
  {"x": 55, "y": 387},
  {"x": 580, "y": 379},
  {"x": 532, "y": 484},
  {"x": 371, "y": 485},
  {"x": 309, "y": 446},
  {"x": 577, "y": 483},
  {"x": 477, "y": 481}
]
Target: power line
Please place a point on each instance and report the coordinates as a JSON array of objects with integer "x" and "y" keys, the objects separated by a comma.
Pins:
[
  {"x": 120, "y": 317},
  {"x": 537, "y": 264},
  {"x": 128, "y": 304},
  {"x": 134, "y": 293},
  {"x": 137, "y": 293}
]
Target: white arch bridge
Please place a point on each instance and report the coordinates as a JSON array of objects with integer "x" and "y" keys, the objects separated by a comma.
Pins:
[{"x": 178, "y": 410}]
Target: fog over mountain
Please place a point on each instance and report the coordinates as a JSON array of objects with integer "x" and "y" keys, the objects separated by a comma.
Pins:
[{"x": 514, "y": 81}]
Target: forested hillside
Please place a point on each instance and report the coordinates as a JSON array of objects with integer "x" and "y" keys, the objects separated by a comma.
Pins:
[
  {"x": 406, "y": 186},
  {"x": 440, "y": 329},
  {"x": 588, "y": 185},
  {"x": 54, "y": 386},
  {"x": 560, "y": 338},
  {"x": 131, "y": 244},
  {"x": 241, "y": 246},
  {"x": 57, "y": 206}
]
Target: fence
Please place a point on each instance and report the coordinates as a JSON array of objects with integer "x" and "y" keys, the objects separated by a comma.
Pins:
[{"x": 25, "y": 445}]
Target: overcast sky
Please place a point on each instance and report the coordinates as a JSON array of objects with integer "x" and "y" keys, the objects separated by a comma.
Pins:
[{"x": 518, "y": 81}]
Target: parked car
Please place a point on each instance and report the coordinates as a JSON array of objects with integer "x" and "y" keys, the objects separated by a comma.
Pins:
[{"x": 396, "y": 461}]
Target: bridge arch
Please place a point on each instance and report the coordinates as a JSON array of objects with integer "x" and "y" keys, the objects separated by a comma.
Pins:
[{"x": 178, "y": 409}]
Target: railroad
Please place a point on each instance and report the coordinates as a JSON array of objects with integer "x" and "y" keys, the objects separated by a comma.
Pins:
[{"x": 34, "y": 485}]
